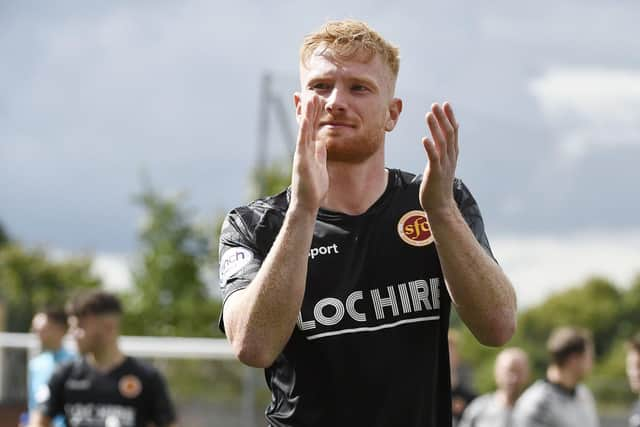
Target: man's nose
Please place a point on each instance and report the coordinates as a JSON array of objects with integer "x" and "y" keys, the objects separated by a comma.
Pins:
[{"x": 335, "y": 101}]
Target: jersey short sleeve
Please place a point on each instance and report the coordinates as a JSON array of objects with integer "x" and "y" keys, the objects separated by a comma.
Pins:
[
  {"x": 239, "y": 256},
  {"x": 50, "y": 399},
  {"x": 162, "y": 411},
  {"x": 471, "y": 213}
]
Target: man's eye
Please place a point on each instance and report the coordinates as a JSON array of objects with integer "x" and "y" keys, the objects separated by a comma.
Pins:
[
  {"x": 320, "y": 86},
  {"x": 359, "y": 88}
]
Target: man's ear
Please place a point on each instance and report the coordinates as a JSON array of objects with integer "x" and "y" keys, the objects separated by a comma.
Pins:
[
  {"x": 395, "y": 108},
  {"x": 297, "y": 101}
]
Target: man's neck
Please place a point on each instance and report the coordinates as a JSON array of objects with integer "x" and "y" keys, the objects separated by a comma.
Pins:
[
  {"x": 354, "y": 188},
  {"x": 506, "y": 399},
  {"x": 563, "y": 377},
  {"x": 107, "y": 358},
  {"x": 53, "y": 348}
]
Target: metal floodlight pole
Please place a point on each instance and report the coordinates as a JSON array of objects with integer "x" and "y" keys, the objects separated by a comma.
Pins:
[{"x": 262, "y": 139}]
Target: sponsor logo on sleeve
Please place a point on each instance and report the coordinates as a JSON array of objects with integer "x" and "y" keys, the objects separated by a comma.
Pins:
[
  {"x": 232, "y": 261},
  {"x": 130, "y": 386},
  {"x": 413, "y": 229}
]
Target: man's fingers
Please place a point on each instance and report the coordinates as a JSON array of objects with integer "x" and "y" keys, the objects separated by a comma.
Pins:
[
  {"x": 321, "y": 154},
  {"x": 436, "y": 133},
  {"x": 448, "y": 110},
  {"x": 318, "y": 106},
  {"x": 443, "y": 121},
  {"x": 308, "y": 124},
  {"x": 432, "y": 153}
]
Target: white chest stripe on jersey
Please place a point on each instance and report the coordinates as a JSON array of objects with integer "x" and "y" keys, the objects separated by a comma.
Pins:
[
  {"x": 373, "y": 328},
  {"x": 416, "y": 296}
]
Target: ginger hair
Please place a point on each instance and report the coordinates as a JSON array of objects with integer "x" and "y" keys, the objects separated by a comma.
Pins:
[{"x": 348, "y": 39}]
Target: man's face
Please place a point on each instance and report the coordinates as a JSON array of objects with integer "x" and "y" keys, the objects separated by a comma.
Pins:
[
  {"x": 585, "y": 362},
  {"x": 359, "y": 107},
  {"x": 633, "y": 369},
  {"x": 86, "y": 330},
  {"x": 49, "y": 332},
  {"x": 511, "y": 372}
]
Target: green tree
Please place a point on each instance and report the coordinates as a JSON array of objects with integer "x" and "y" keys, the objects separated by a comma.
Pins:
[
  {"x": 31, "y": 280},
  {"x": 271, "y": 179},
  {"x": 630, "y": 310},
  {"x": 4, "y": 237},
  {"x": 170, "y": 296},
  {"x": 596, "y": 304}
]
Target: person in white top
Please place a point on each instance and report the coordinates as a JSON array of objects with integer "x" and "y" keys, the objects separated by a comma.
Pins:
[
  {"x": 561, "y": 400},
  {"x": 495, "y": 409}
]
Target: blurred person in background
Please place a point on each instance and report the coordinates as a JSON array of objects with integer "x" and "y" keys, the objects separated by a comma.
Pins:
[
  {"x": 462, "y": 392},
  {"x": 496, "y": 409},
  {"x": 561, "y": 400},
  {"x": 104, "y": 387},
  {"x": 50, "y": 325},
  {"x": 633, "y": 374}
]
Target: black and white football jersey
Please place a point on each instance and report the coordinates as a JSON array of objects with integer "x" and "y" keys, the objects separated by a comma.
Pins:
[{"x": 370, "y": 345}]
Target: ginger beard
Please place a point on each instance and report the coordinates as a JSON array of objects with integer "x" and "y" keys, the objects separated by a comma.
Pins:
[{"x": 347, "y": 145}]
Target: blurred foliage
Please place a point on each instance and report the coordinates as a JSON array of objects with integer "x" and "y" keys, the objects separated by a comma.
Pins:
[
  {"x": 4, "y": 237},
  {"x": 30, "y": 280},
  {"x": 271, "y": 179},
  {"x": 170, "y": 296},
  {"x": 610, "y": 313}
]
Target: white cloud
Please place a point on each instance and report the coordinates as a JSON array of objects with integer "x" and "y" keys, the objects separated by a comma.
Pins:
[
  {"x": 114, "y": 270},
  {"x": 590, "y": 106},
  {"x": 595, "y": 94},
  {"x": 540, "y": 266}
]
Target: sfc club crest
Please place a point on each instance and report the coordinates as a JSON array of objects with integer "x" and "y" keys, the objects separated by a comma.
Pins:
[
  {"x": 130, "y": 386},
  {"x": 413, "y": 229}
]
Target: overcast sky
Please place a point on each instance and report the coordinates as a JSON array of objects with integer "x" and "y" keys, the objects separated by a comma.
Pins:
[{"x": 95, "y": 94}]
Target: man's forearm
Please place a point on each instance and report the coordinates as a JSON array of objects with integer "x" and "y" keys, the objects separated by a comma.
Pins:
[
  {"x": 481, "y": 292},
  {"x": 259, "y": 319}
]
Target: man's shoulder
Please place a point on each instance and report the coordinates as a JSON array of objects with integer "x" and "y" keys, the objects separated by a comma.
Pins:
[
  {"x": 41, "y": 360},
  {"x": 480, "y": 403},
  {"x": 141, "y": 368},
  {"x": 279, "y": 201},
  {"x": 69, "y": 368},
  {"x": 408, "y": 179},
  {"x": 66, "y": 354},
  {"x": 537, "y": 395},
  {"x": 483, "y": 400},
  {"x": 250, "y": 215}
]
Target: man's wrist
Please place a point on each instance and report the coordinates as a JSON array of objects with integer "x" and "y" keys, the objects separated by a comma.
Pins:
[
  {"x": 298, "y": 212},
  {"x": 445, "y": 214}
]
